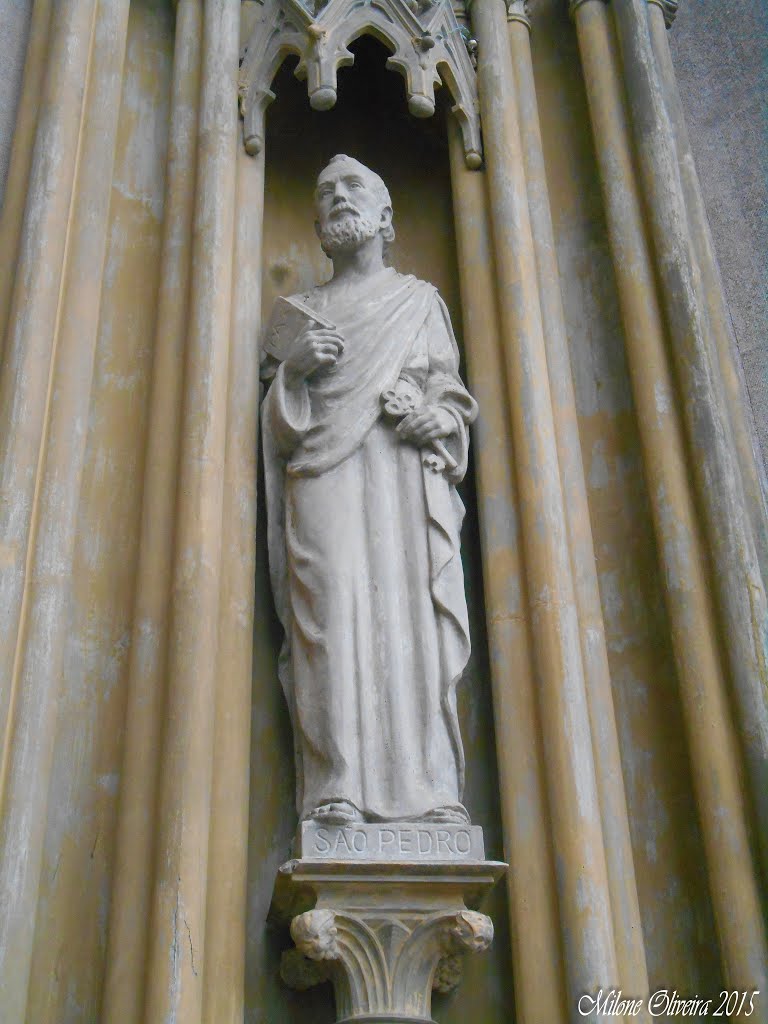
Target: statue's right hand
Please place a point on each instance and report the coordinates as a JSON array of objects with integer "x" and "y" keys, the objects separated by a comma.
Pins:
[{"x": 314, "y": 349}]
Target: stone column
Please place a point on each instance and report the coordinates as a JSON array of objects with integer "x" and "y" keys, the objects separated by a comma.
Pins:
[
  {"x": 228, "y": 848},
  {"x": 711, "y": 292},
  {"x": 176, "y": 966},
  {"x": 12, "y": 207},
  {"x": 34, "y": 314},
  {"x": 59, "y": 326},
  {"x": 584, "y": 902},
  {"x": 124, "y": 986},
  {"x": 727, "y": 377},
  {"x": 536, "y": 956},
  {"x": 720, "y": 490},
  {"x": 694, "y": 627},
  {"x": 627, "y": 927}
]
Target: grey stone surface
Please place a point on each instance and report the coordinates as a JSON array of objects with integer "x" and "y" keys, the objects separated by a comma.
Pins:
[
  {"x": 390, "y": 841},
  {"x": 14, "y": 28},
  {"x": 365, "y": 437},
  {"x": 720, "y": 50},
  {"x": 384, "y": 930}
]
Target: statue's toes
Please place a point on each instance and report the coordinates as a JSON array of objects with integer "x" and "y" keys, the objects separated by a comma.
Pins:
[{"x": 339, "y": 813}]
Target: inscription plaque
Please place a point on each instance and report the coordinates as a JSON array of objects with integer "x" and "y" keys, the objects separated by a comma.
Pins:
[{"x": 393, "y": 841}]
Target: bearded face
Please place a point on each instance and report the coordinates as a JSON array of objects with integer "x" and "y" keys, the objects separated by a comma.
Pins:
[
  {"x": 345, "y": 230},
  {"x": 352, "y": 206}
]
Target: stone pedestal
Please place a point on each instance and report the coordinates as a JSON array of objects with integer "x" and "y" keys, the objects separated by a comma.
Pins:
[{"x": 385, "y": 912}]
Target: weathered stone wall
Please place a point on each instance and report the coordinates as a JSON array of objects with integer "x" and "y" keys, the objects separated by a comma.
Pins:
[
  {"x": 724, "y": 106},
  {"x": 720, "y": 49},
  {"x": 677, "y": 925},
  {"x": 721, "y": 55}
]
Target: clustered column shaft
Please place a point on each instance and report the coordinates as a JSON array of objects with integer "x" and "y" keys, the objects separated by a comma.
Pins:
[
  {"x": 700, "y": 662},
  {"x": 124, "y": 989},
  {"x": 536, "y": 951},
  {"x": 740, "y": 588},
  {"x": 45, "y": 397},
  {"x": 228, "y": 849},
  {"x": 177, "y": 954},
  {"x": 584, "y": 902},
  {"x": 625, "y": 908}
]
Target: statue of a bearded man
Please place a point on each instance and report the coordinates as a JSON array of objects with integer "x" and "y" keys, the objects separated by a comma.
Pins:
[{"x": 365, "y": 437}]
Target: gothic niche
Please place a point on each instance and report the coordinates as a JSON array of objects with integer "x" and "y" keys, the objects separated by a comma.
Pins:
[{"x": 364, "y": 430}]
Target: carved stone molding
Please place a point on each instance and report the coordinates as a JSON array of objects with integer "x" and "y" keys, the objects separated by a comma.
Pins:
[
  {"x": 386, "y": 935},
  {"x": 428, "y": 45},
  {"x": 518, "y": 10},
  {"x": 669, "y": 7},
  {"x": 573, "y": 6}
]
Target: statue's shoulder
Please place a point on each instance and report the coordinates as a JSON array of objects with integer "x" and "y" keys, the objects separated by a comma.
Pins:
[{"x": 415, "y": 283}]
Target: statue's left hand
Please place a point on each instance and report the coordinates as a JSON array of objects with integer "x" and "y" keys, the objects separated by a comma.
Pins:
[{"x": 426, "y": 424}]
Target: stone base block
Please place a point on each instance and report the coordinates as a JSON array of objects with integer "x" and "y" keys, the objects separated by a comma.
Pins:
[
  {"x": 385, "y": 933},
  {"x": 391, "y": 841}
]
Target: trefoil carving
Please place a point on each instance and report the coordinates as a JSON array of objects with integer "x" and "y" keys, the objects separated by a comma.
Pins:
[{"x": 428, "y": 47}]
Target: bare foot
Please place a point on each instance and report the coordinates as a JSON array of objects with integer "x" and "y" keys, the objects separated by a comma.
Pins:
[
  {"x": 451, "y": 814},
  {"x": 338, "y": 812}
]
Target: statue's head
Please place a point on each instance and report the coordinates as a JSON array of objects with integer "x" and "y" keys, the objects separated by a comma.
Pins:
[{"x": 352, "y": 205}]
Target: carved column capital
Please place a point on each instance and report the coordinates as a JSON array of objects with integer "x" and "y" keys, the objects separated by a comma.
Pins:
[
  {"x": 574, "y": 5},
  {"x": 519, "y": 10},
  {"x": 383, "y": 961},
  {"x": 386, "y": 934},
  {"x": 669, "y": 7}
]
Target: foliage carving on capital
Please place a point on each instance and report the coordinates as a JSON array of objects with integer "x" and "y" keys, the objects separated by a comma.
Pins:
[
  {"x": 300, "y": 973},
  {"x": 448, "y": 974},
  {"x": 315, "y": 934},
  {"x": 383, "y": 961},
  {"x": 427, "y": 44},
  {"x": 469, "y": 932}
]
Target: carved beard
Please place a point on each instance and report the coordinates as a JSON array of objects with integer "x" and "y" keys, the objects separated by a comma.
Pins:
[{"x": 346, "y": 233}]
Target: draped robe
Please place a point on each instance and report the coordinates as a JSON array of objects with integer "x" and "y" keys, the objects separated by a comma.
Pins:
[{"x": 365, "y": 561}]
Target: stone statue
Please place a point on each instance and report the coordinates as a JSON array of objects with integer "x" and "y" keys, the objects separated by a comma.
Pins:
[{"x": 365, "y": 437}]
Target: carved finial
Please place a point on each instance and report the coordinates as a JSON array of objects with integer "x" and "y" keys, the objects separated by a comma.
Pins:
[
  {"x": 425, "y": 42},
  {"x": 470, "y": 43},
  {"x": 669, "y": 7},
  {"x": 517, "y": 10}
]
